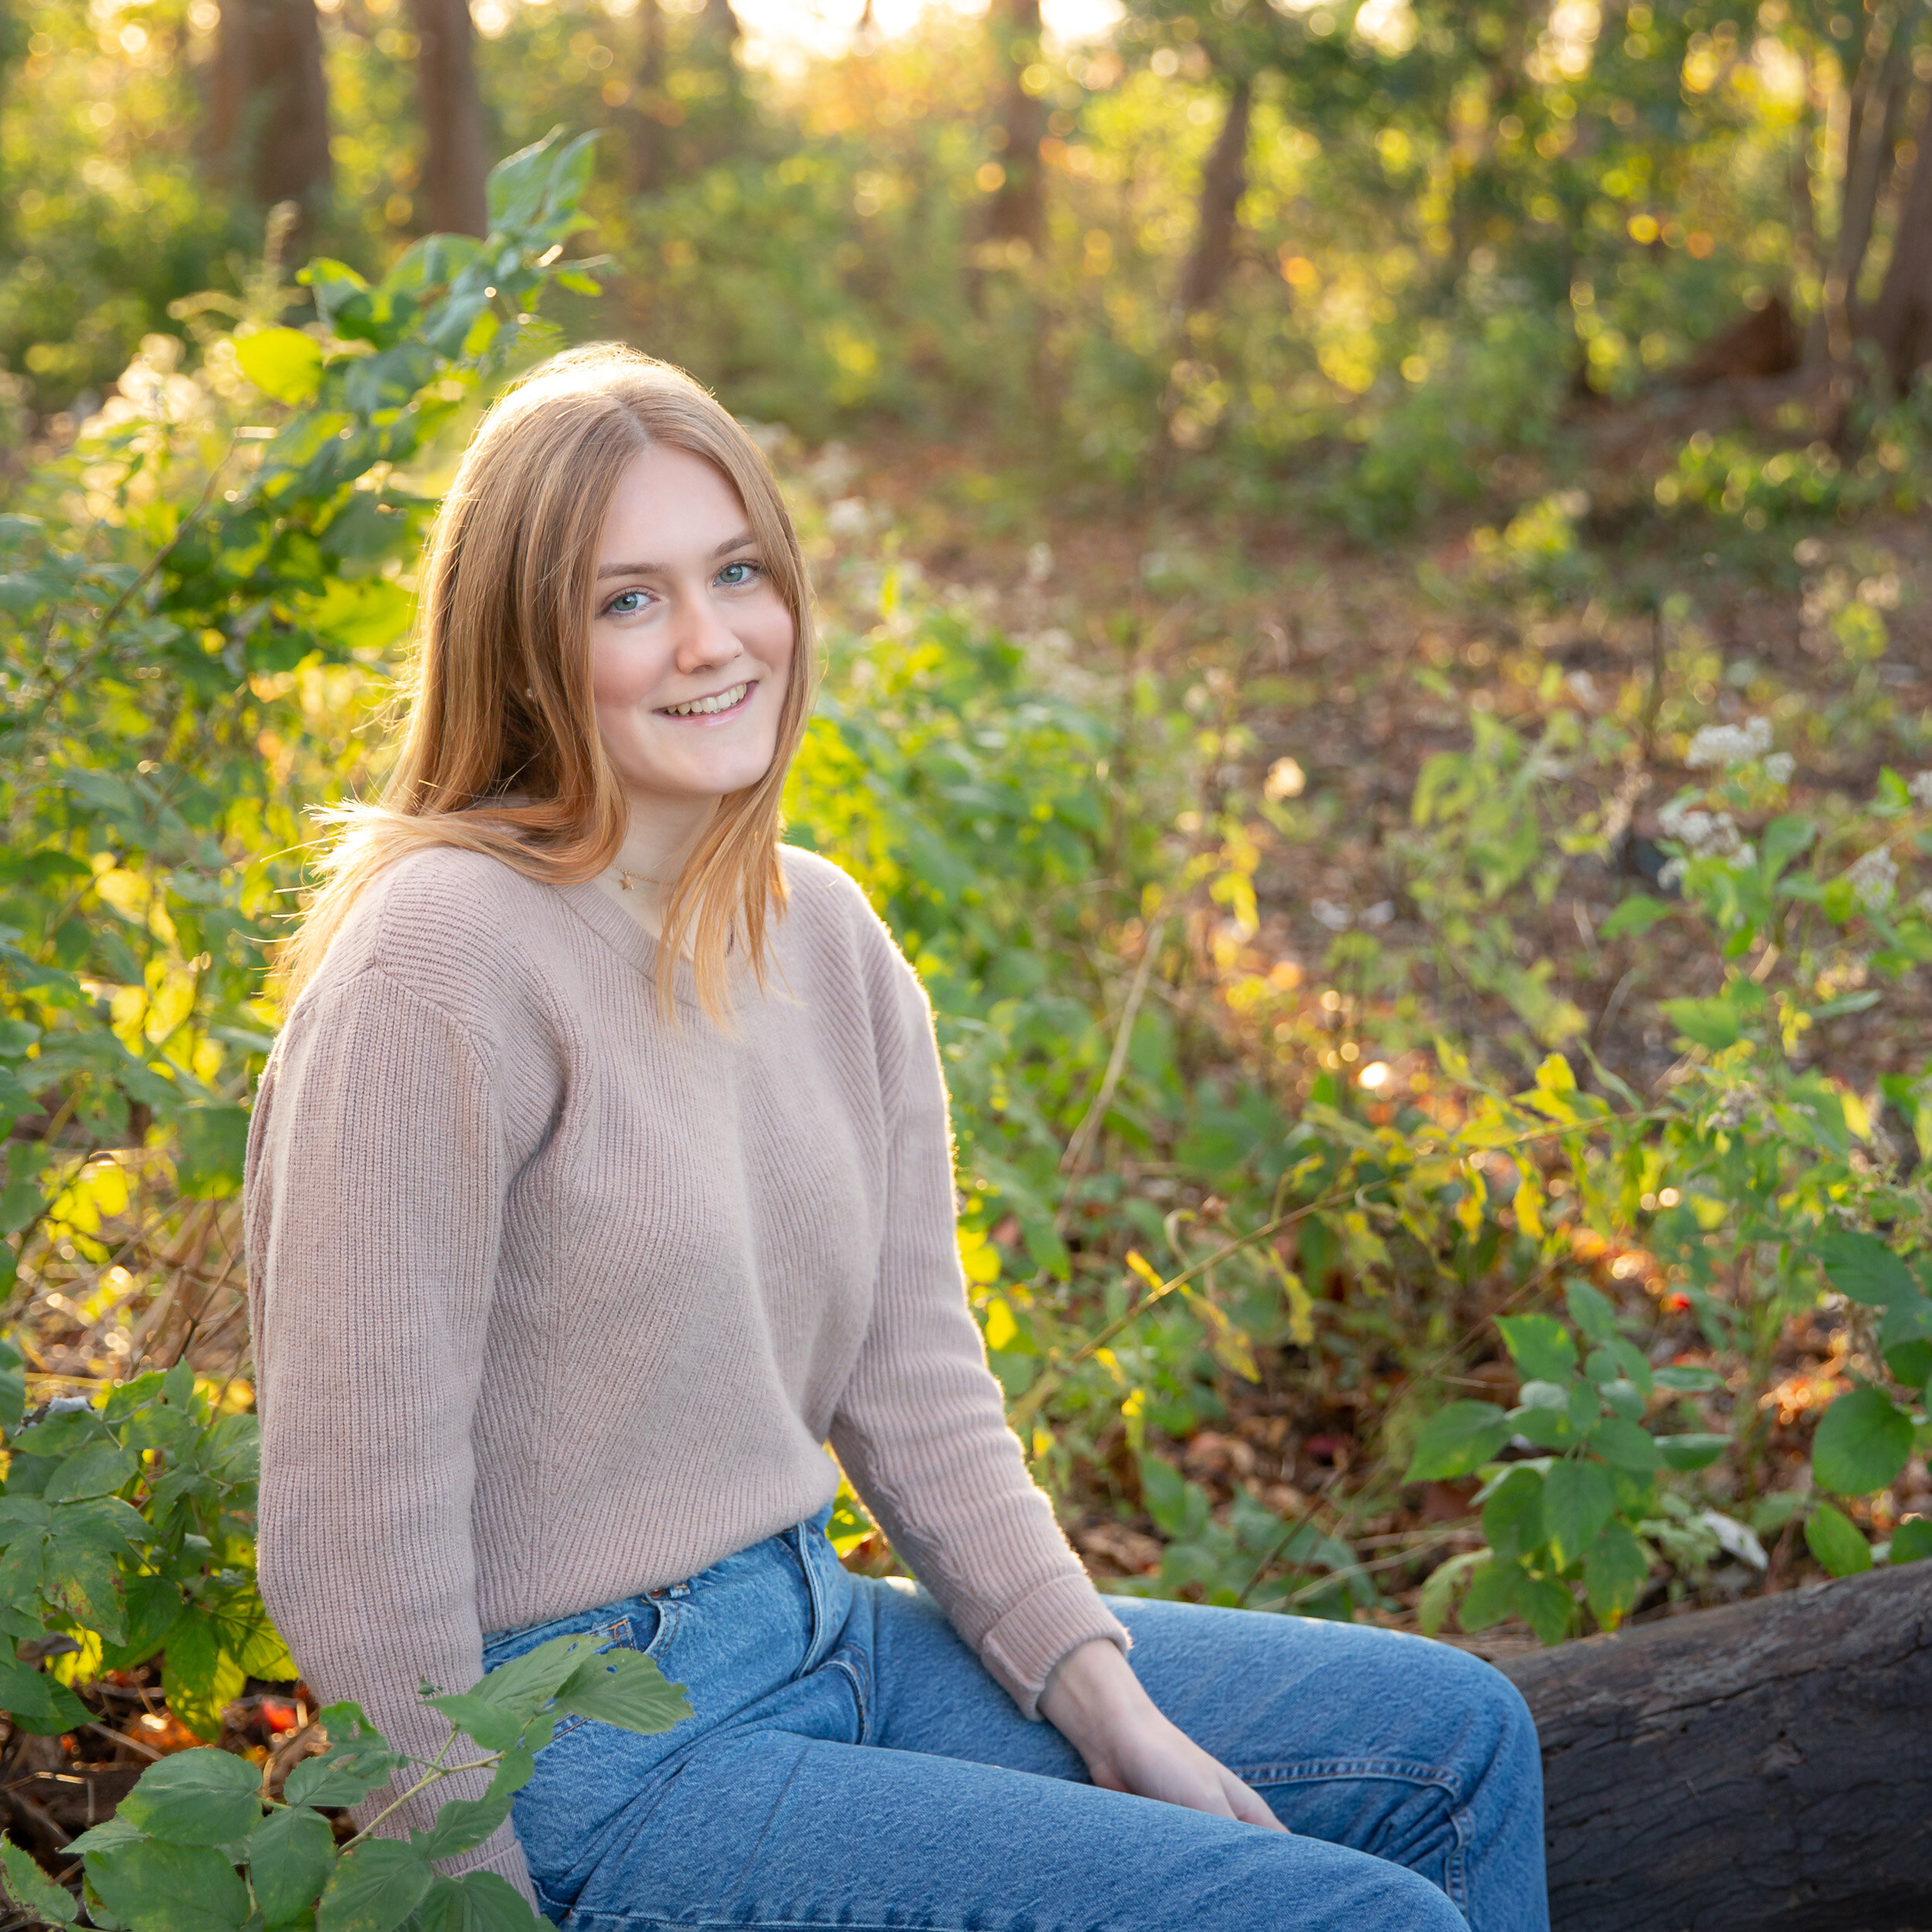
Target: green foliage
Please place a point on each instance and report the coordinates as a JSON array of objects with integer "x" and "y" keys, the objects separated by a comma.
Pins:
[
  {"x": 199, "y": 1846},
  {"x": 127, "y": 1530},
  {"x": 150, "y": 658}
]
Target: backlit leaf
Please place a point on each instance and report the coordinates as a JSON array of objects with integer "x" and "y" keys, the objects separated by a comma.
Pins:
[
  {"x": 1863, "y": 1440},
  {"x": 1836, "y": 1541}
]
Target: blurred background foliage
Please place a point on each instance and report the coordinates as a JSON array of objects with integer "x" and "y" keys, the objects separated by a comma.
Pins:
[{"x": 1373, "y": 570}]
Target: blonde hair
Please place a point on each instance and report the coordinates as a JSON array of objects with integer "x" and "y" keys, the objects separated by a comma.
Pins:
[{"x": 499, "y": 751}]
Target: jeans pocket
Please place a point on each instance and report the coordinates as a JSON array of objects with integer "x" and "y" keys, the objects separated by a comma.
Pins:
[{"x": 616, "y": 1627}]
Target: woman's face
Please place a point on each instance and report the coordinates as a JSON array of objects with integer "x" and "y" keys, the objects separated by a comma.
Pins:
[{"x": 691, "y": 644}]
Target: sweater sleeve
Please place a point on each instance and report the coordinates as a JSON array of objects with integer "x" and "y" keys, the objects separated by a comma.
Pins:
[
  {"x": 376, "y": 1185},
  {"x": 921, "y": 1429}
]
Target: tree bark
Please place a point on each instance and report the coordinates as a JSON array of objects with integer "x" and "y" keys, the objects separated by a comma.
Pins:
[
  {"x": 1223, "y": 181},
  {"x": 645, "y": 122},
  {"x": 455, "y": 163},
  {"x": 268, "y": 121},
  {"x": 1018, "y": 210},
  {"x": 1901, "y": 319},
  {"x": 1878, "y": 95},
  {"x": 1764, "y": 1768}
]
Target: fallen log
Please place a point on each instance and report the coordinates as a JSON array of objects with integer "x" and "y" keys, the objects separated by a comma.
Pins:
[{"x": 1763, "y": 1767}]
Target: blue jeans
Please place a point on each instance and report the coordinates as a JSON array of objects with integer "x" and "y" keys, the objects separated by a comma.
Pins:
[{"x": 849, "y": 1763}]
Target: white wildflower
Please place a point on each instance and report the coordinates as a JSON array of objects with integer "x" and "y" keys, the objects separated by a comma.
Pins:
[
  {"x": 1920, "y": 788},
  {"x": 1725, "y": 746},
  {"x": 1874, "y": 879},
  {"x": 1779, "y": 766}
]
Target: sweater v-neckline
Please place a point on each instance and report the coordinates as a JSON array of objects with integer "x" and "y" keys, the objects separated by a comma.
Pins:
[{"x": 627, "y": 938}]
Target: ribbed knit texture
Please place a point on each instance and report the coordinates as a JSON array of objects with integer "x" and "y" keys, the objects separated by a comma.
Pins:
[{"x": 555, "y": 1301}]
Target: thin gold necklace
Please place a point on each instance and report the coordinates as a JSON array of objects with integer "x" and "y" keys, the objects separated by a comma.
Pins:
[{"x": 625, "y": 880}]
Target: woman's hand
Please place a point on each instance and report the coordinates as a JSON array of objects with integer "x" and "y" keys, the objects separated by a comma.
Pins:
[{"x": 1095, "y": 1703}]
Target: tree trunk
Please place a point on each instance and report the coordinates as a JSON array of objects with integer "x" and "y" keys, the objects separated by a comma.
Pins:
[
  {"x": 1901, "y": 319},
  {"x": 1223, "y": 181},
  {"x": 644, "y": 123},
  {"x": 1017, "y": 211},
  {"x": 1878, "y": 95},
  {"x": 1765, "y": 1767},
  {"x": 268, "y": 130},
  {"x": 455, "y": 162}
]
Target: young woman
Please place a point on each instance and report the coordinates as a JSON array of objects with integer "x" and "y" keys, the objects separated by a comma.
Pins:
[{"x": 600, "y": 1177}]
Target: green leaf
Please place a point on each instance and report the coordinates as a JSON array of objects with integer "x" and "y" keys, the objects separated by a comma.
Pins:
[
  {"x": 197, "y": 1677},
  {"x": 1512, "y": 1518},
  {"x": 624, "y": 1687},
  {"x": 358, "y": 1761},
  {"x": 28, "y": 1886},
  {"x": 460, "y": 1825},
  {"x": 1540, "y": 1346},
  {"x": 1710, "y": 1023},
  {"x": 98, "y": 1469},
  {"x": 1782, "y": 841},
  {"x": 1634, "y": 917},
  {"x": 1691, "y": 1451},
  {"x": 196, "y": 1798},
  {"x": 169, "y": 1888},
  {"x": 1432, "y": 1606},
  {"x": 1577, "y": 1500},
  {"x": 1615, "y": 1571},
  {"x": 374, "y": 1888},
  {"x": 84, "y": 1582},
  {"x": 1457, "y": 1439},
  {"x": 281, "y": 362},
  {"x": 213, "y": 1141},
  {"x": 1687, "y": 1381},
  {"x": 1863, "y": 1440},
  {"x": 39, "y": 1705},
  {"x": 289, "y": 1855},
  {"x": 1836, "y": 1541},
  {"x": 13, "y": 1387},
  {"x": 109, "y": 1835},
  {"x": 1863, "y": 1269},
  {"x": 496, "y": 1906},
  {"x": 1628, "y": 1445},
  {"x": 1912, "y": 1540},
  {"x": 1547, "y": 1607},
  {"x": 1592, "y": 1312},
  {"x": 1492, "y": 1594}
]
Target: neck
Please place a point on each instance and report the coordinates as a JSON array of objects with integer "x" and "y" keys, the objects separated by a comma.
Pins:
[{"x": 659, "y": 837}]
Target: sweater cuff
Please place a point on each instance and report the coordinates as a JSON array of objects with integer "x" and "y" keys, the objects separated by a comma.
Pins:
[
  {"x": 499, "y": 1853},
  {"x": 1023, "y": 1648}
]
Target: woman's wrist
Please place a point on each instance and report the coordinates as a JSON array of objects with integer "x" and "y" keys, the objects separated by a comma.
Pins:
[{"x": 1089, "y": 1690}]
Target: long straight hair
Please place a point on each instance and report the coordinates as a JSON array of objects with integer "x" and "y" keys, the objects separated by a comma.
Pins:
[{"x": 499, "y": 751}]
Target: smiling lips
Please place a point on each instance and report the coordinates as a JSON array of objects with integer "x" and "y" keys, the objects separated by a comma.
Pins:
[{"x": 710, "y": 707}]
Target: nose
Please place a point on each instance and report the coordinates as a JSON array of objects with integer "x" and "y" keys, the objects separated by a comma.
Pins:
[{"x": 703, "y": 639}]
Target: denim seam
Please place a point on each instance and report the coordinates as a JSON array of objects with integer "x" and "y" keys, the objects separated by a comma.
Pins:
[
  {"x": 859, "y": 1694},
  {"x": 1323, "y": 1769}
]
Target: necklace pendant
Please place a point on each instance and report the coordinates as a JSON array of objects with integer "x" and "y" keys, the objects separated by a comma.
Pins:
[{"x": 623, "y": 882}]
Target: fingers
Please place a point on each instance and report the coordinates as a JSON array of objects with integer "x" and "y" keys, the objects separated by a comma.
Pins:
[{"x": 1248, "y": 1804}]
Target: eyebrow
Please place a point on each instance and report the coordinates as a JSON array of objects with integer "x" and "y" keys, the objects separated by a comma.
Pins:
[{"x": 725, "y": 548}]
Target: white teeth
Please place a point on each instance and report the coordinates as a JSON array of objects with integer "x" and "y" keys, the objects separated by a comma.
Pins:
[{"x": 703, "y": 707}]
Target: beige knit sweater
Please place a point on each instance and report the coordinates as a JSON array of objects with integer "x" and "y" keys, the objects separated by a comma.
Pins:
[{"x": 554, "y": 1302}]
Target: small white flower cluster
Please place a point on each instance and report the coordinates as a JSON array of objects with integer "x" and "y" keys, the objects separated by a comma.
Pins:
[
  {"x": 1703, "y": 835},
  {"x": 1726, "y": 746},
  {"x": 1874, "y": 879},
  {"x": 1920, "y": 788}
]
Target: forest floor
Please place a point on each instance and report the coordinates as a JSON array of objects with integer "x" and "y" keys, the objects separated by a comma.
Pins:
[{"x": 1313, "y": 641}]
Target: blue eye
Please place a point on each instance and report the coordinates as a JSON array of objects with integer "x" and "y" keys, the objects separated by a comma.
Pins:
[
  {"x": 626, "y": 603},
  {"x": 748, "y": 571}
]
